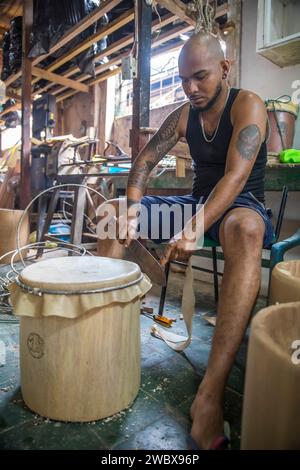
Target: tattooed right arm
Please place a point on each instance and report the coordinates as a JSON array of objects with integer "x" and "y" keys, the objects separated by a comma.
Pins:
[{"x": 164, "y": 139}]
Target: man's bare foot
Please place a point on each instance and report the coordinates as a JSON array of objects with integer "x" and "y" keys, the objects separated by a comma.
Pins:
[{"x": 207, "y": 416}]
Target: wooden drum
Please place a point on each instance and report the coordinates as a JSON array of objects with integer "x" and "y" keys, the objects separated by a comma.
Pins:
[
  {"x": 79, "y": 335},
  {"x": 9, "y": 220},
  {"x": 285, "y": 282},
  {"x": 271, "y": 418}
]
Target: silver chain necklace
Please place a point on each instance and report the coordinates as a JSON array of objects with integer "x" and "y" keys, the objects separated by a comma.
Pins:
[{"x": 216, "y": 130}]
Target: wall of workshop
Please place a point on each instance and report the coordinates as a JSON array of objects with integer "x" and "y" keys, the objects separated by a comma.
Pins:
[
  {"x": 78, "y": 114},
  {"x": 269, "y": 81},
  {"x": 122, "y": 125}
]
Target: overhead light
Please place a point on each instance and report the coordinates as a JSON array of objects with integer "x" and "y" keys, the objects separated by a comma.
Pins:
[{"x": 184, "y": 37}]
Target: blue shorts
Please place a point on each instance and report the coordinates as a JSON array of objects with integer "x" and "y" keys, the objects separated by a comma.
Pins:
[{"x": 247, "y": 200}]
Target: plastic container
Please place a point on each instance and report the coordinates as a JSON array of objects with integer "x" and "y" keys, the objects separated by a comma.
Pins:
[
  {"x": 290, "y": 156},
  {"x": 61, "y": 231},
  {"x": 282, "y": 115}
]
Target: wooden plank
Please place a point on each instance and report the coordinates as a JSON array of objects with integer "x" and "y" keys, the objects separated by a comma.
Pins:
[
  {"x": 120, "y": 44},
  {"x": 167, "y": 48},
  {"x": 103, "y": 67},
  {"x": 85, "y": 23},
  {"x": 118, "y": 23},
  {"x": 60, "y": 125},
  {"x": 98, "y": 70},
  {"x": 102, "y": 117},
  {"x": 12, "y": 95},
  {"x": 115, "y": 47},
  {"x": 26, "y": 104},
  {"x": 233, "y": 42},
  {"x": 13, "y": 107},
  {"x": 105, "y": 7},
  {"x": 171, "y": 34},
  {"x": 110, "y": 28},
  {"x": 178, "y": 8},
  {"x": 114, "y": 72},
  {"x": 78, "y": 215},
  {"x": 54, "y": 77},
  {"x": 180, "y": 167},
  {"x": 141, "y": 83},
  {"x": 102, "y": 77}
]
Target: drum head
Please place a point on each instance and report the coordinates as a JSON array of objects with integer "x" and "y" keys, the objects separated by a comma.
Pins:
[{"x": 79, "y": 273}]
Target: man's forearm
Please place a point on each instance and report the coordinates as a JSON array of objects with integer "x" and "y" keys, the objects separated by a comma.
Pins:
[
  {"x": 221, "y": 197},
  {"x": 164, "y": 139}
]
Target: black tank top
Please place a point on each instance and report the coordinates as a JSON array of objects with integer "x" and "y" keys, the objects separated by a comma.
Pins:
[{"x": 209, "y": 158}]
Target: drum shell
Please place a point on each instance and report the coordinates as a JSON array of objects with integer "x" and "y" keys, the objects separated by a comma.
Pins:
[
  {"x": 285, "y": 282},
  {"x": 271, "y": 418},
  {"x": 81, "y": 369},
  {"x": 79, "y": 335},
  {"x": 9, "y": 220}
]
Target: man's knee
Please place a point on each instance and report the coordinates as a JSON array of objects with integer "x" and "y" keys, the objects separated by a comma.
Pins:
[{"x": 247, "y": 231}]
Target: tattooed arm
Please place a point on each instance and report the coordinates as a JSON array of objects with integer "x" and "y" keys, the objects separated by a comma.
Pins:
[
  {"x": 249, "y": 120},
  {"x": 165, "y": 138}
]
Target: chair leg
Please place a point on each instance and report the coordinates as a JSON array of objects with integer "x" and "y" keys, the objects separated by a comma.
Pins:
[
  {"x": 164, "y": 291},
  {"x": 47, "y": 222},
  {"x": 78, "y": 216},
  {"x": 215, "y": 269}
]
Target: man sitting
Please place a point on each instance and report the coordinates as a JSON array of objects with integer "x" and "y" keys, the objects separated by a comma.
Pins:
[{"x": 226, "y": 132}]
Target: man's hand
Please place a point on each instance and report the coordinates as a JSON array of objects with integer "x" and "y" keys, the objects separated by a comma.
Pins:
[
  {"x": 127, "y": 224},
  {"x": 181, "y": 245}
]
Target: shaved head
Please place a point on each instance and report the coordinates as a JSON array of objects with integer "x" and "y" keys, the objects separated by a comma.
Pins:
[
  {"x": 203, "y": 43},
  {"x": 203, "y": 70}
]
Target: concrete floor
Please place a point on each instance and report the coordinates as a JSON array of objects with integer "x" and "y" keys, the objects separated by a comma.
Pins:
[{"x": 158, "y": 418}]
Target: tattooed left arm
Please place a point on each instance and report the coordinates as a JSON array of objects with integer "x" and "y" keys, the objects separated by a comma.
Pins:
[{"x": 249, "y": 120}]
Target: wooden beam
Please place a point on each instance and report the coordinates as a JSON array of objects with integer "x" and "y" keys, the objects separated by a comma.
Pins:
[
  {"x": 102, "y": 117},
  {"x": 26, "y": 104},
  {"x": 178, "y": 8},
  {"x": 102, "y": 67},
  {"x": 115, "y": 47},
  {"x": 59, "y": 127},
  {"x": 12, "y": 95},
  {"x": 13, "y": 107},
  {"x": 54, "y": 77},
  {"x": 127, "y": 40},
  {"x": 110, "y": 28},
  {"x": 141, "y": 83},
  {"x": 171, "y": 34},
  {"x": 105, "y": 7},
  {"x": 233, "y": 43},
  {"x": 123, "y": 42},
  {"x": 167, "y": 48},
  {"x": 98, "y": 70},
  {"x": 73, "y": 32},
  {"x": 102, "y": 77},
  {"x": 105, "y": 31}
]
